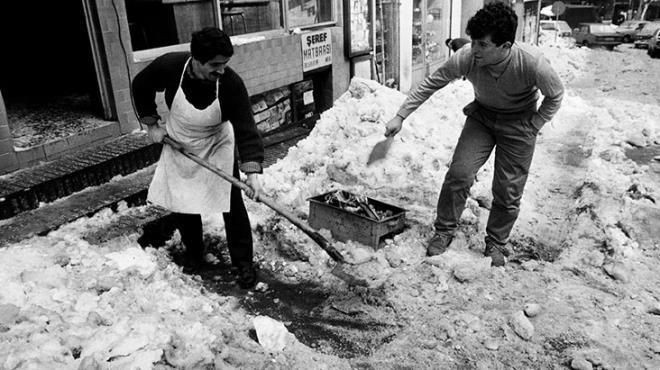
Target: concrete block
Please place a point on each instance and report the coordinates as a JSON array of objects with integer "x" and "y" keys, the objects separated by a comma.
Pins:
[
  {"x": 6, "y": 145},
  {"x": 106, "y": 132},
  {"x": 31, "y": 156},
  {"x": 8, "y": 163},
  {"x": 90, "y": 136},
  {"x": 55, "y": 148},
  {"x": 4, "y": 132},
  {"x": 123, "y": 95}
]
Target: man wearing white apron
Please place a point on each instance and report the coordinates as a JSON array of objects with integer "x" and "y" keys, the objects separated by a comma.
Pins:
[{"x": 211, "y": 115}]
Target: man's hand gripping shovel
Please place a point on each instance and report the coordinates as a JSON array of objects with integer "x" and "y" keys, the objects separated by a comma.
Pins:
[{"x": 338, "y": 270}]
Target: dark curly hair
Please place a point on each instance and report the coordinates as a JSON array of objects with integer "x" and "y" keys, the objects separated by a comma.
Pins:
[
  {"x": 495, "y": 19},
  {"x": 209, "y": 42}
]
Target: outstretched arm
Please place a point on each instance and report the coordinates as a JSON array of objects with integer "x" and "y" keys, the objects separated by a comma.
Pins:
[
  {"x": 455, "y": 67},
  {"x": 548, "y": 81}
]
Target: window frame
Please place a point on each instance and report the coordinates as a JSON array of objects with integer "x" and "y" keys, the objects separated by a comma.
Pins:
[
  {"x": 152, "y": 53},
  {"x": 289, "y": 28},
  {"x": 348, "y": 40}
]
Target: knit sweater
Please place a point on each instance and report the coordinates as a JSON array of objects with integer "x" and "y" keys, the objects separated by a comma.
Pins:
[
  {"x": 164, "y": 74},
  {"x": 520, "y": 76}
]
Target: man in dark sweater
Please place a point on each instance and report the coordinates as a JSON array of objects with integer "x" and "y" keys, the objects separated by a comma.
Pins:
[{"x": 210, "y": 114}]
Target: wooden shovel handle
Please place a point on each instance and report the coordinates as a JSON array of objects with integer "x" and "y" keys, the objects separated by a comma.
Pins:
[{"x": 318, "y": 238}]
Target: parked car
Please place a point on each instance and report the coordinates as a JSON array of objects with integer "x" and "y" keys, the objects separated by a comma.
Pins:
[
  {"x": 654, "y": 44},
  {"x": 597, "y": 34},
  {"x": 561, "y": 27},
  {"x": 629, "y": 29},
  {"x": 642, "y": 37}
]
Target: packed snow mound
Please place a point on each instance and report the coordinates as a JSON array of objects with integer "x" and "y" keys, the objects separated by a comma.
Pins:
[
  {"x": 115, "y": 306},
  {"x": 335, "y": 153},
  {"x": 552, "y": 38}
]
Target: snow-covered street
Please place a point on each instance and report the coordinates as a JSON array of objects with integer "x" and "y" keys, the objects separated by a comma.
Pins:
[{"x": 582, "y": 289}]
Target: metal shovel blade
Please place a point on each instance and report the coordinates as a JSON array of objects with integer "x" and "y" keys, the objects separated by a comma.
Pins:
[
  {"x": 349, "y": 278},
  {"x": 380, "y": 150}
]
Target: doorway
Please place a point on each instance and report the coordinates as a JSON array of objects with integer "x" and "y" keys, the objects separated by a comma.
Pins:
[{"x": 49, "y": 75}]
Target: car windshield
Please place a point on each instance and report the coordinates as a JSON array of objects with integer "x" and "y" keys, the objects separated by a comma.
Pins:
[
  {"x": 629, "y": 25},
  {"x": 554, "y": 26},
  {"x": 649, "y": 28},
  {"x": 563, "y": 26},
  {"x": 601, "y": 28}
]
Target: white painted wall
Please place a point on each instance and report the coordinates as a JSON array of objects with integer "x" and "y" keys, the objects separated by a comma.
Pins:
[
  {"x": 405, "y": 46},
  {"x": 457, "y": 26}
]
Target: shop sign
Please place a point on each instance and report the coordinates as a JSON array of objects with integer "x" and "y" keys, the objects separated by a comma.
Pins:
[{"x": 316, "y": 49}]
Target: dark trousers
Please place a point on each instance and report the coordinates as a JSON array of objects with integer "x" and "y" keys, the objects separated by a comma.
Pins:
[
  {"x": 513, "y": 137},
  {"x": 237, "y": 228}
]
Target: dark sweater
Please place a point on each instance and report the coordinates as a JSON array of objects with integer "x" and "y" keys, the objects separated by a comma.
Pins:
[{"x": 164, "y": 73}]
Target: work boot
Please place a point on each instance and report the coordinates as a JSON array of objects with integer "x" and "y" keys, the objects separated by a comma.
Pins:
[
  {"x": 497, "y": 253},
  {"x": 246, "y": 275},
  {"x": 438, "y": 244}
]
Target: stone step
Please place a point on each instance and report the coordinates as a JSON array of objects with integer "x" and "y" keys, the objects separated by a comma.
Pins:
[
  {"x": 131, "y": 188},
  {"x": 27, "y": 189}
]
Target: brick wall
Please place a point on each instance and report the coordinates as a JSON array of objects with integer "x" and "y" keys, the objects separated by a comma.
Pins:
[
  {"x": 8, "y": 160},
  {"x": 264, "y": 65}
]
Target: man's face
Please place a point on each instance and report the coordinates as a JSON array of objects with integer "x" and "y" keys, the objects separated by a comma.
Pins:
[
  {"x": 213, "y": 68},
  {"x": 487, "y": 53}
]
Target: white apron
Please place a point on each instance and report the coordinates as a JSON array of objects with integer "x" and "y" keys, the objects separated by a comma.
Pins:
[{"x": 181, "y": 185}]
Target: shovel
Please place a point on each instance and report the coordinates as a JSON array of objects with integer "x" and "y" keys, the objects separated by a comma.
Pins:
[
  {"x": 380, "y": 150},
  {"x": 338, "y": 270}
]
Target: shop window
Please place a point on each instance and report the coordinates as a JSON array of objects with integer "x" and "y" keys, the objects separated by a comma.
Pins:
[
  {"x": 430, "y": 29},
  {"x": 417, "y": 34},
  {"x": 437, "y": 31},
  {"x": 158, "y": 23},
  {"x": 249, "y": 16},
  {"x": 302, "y": 13}
]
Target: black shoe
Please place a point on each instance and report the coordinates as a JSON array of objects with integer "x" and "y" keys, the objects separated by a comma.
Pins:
[
  {"x": 246, "y": 276},
  {"x": 496, "y": 252},
  {"x": 192, "y": 266},
  {"x": 438, "y": 244}
]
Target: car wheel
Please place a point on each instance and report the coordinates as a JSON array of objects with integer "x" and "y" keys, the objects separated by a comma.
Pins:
[
  {"x": 610, "y": 47},
  {"x": 585, "y": 43},
  {"x": 627, "y": 39}
]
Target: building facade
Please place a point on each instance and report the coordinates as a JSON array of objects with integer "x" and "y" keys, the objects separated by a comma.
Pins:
[{"x": 289, "y": 76}]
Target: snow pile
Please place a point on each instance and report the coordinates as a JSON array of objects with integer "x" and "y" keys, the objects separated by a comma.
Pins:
[
  {"x": 569, "y": 61},
  {"x": 335, "y": 154},
  {"x": 114, "y": 306},
  {"x": 83, "y": 304},
  {"x": 338, "y": 147},
  {"x": 551, "y": 38}
]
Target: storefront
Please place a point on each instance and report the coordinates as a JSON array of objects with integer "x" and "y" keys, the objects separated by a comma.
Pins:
[
  {"x": 289, "y": 76},
  {"x": 413, "y": 34},
  {"x": 271, "y": 47}
]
